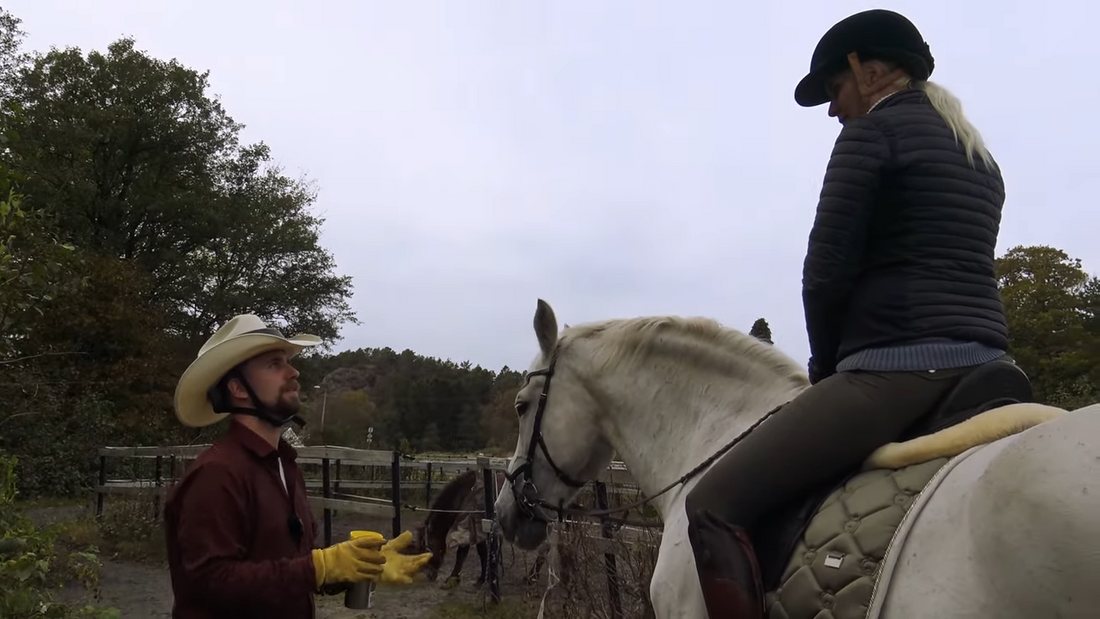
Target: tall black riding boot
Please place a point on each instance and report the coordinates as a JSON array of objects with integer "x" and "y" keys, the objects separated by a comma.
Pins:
[{"x": 728, "y": 572}]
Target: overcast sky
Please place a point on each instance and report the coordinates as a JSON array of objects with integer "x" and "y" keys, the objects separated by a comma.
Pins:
[{"x": 614, "y": 158}]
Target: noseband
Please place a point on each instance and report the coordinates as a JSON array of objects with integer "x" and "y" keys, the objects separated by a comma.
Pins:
[{"x": 524, "y": 490}]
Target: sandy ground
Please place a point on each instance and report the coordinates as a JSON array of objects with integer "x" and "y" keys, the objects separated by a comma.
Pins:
[{"x": 143, "y": 590}]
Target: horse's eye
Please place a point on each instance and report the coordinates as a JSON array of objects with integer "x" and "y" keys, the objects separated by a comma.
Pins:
[{"x": 521, "y": 408}]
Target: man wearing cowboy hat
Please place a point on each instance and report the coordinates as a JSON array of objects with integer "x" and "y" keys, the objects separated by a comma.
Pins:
[{"x": 238, "y": 524}]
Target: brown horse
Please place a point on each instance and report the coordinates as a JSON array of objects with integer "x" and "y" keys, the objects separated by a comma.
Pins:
[{"x": 459, "y": 509}]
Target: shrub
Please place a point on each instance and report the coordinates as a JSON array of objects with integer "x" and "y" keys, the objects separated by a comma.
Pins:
[{"x": 30, "y": 565}]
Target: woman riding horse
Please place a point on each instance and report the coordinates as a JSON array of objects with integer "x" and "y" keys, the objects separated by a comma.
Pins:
[{"x": 899, "y": 291}]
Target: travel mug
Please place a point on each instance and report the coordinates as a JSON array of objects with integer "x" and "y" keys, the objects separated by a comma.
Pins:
[{"x": 360, "y": 595}]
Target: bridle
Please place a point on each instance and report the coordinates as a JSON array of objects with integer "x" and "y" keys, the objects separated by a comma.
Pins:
[
  {"x": 526, "y": 494},
  {"x": 521, "y": 479}
]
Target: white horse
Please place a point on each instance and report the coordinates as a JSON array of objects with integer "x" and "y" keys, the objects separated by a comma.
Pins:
[{"x": 1013, "y": 531}]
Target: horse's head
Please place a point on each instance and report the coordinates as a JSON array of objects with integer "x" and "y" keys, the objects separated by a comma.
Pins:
[
  {"x": 662, "y": 391},
  {"x": 427, "y": 538},
  {"x": 561, "y": 443}
]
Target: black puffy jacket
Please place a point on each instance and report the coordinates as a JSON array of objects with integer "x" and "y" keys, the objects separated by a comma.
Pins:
[{"x": 902, "y": 248}]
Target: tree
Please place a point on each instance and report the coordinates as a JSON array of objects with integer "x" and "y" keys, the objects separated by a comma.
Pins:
[
  {"x": 35, "y": 267},
  {"x": 429, "y": 438},
  {"x": 11, "y": 56},
  {"x": 145, "y": 225},
  {"x": 761, "y": 331},
  {"x": 499, "y": 423},
  {"x": 141, "y": 165},
  {"x": 347, "y": 415},
  {"x": 1051, "y": 305},
  {"x": 266, "y": 257}
]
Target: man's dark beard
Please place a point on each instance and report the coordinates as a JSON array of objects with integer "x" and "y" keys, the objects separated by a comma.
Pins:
[{"x": 284, "y": 408}]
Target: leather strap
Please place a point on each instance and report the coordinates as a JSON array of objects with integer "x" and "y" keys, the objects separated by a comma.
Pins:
[{"x": 873, "y": 91}]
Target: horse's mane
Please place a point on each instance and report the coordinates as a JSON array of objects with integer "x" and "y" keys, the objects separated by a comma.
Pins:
[
  {"x": 450, "y": 498},
  {"x": 680, "y": 341}
]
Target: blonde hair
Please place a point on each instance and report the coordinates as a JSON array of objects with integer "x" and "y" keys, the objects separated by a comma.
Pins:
[{"x": 951, "y": 110}]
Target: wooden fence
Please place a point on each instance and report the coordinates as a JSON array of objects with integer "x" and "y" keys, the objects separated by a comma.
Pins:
[{"x": 345, "y": 468}]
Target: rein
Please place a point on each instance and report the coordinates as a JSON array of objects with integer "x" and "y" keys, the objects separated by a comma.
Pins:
[{"x": 527, "y": 495}]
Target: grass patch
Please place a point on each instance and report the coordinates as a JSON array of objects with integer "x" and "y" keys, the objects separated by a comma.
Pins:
[
  {"x": 130, "y": 531},
  {"x": 50, "y": 502},
  {"x": 127, "y": 531}
]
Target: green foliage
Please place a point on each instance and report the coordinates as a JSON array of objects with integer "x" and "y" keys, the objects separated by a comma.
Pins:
[
  {"x": 35, "y": 267},
  {"x": 128, "y": 529},
  {"x": 414, "y": 403},
  {"x": 30, "y": 565},
  {"x": 1051, "y": 303},
  {"x": 134, "y": 223},
  {"x": 142, "y": 165},
  {"x": 11, "y": 57}
]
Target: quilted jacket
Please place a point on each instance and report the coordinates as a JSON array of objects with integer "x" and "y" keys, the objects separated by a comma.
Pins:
[{"x": 902, "y": 246}]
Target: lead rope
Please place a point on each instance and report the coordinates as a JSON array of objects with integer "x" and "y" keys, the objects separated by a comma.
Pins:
[
  {"x": 552, "y": 579},
  {"x": 496, "y": 569}
]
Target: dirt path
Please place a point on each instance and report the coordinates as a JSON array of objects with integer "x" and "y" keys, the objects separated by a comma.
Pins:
[
  {"x": 143, "y": 590},
  {"x": 136, "y": 589}
]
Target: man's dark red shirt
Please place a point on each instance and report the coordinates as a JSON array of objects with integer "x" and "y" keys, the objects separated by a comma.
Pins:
[{"x": 231, "y": 530}]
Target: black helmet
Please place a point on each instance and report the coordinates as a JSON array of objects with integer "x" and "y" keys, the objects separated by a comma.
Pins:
[{"x": 875, "y": 34}]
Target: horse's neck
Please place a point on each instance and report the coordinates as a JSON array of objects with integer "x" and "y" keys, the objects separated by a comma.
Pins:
[{"x": 663, "y": 428}]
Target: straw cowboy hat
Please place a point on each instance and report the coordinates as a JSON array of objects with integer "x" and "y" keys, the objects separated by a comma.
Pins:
[{"x": 243, "y": 337}]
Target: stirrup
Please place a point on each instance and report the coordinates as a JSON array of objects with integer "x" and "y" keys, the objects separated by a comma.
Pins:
[{"x": 727, "y": 568}]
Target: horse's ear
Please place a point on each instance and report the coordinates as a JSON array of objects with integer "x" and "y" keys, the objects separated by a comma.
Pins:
[{"x": 546, "y": 327}]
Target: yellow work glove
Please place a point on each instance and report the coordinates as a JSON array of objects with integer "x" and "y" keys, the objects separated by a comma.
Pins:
[
  {"x": 399, "y": 569},
  {"x": 355, "y": 560}
]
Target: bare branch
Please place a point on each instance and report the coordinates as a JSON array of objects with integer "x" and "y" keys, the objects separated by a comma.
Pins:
[
  {"x": 41, "y": 354},
  {"x": 10, "y": 417}
]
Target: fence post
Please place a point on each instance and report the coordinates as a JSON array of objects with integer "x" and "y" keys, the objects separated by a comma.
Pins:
[
  {"x": 609, "y": 558},
  {"x": 102, "y": 482},
  {"x": 156, "y": 492},
  {"x": 493, "y": 540},
  {"x": 395, "y": 483},
  {"x": 336, "y": 484},
  {"x": 326, "y": 491},
  {"x": 428, "y": 487}
]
